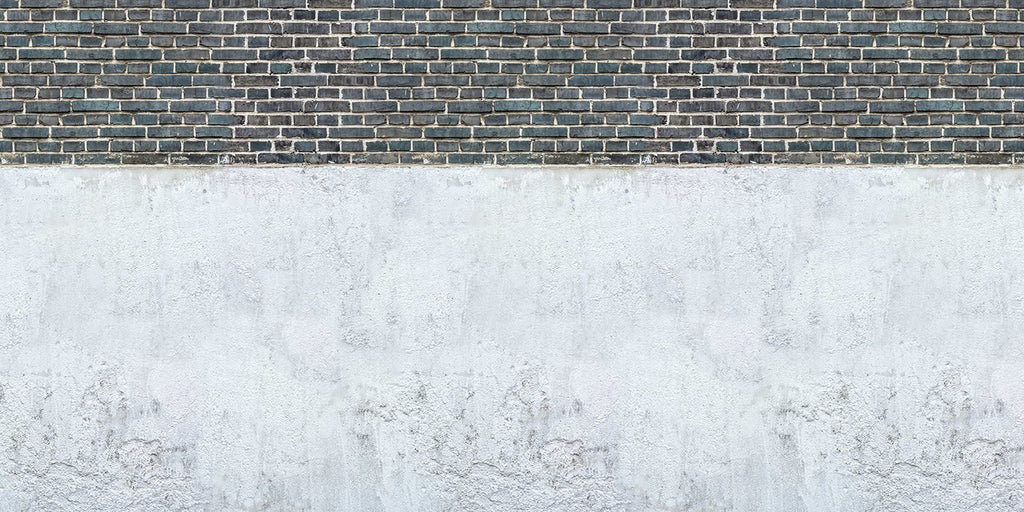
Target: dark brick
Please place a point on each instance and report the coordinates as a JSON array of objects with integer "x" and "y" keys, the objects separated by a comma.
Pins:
[
  {"x": 49, "y": 107},
  {"x": 960, "y": 28},
  {"x": 815, "y": 28},
  {"x": 120, "y": 29},
  {"x": 615, "y": 106},
  {"x": 470, "y": 107},
  {"x": 69, "y": 27},
  {"x": 938, "y": 105},
  {"x": 517, "y": 106},
  {"x": 912, "y": 27},
  {"x": 873, "y": 132},
  {"x": 982, "y": 54},
  {"x": 1004, "y": 28},
  {"x": 559, "y": 54},
  {"x": 422, "y": 106},
  {"x": 447, "y": 132},
  {"x": 26, "y": 132},
  {"x": 94, "y": 106},
  {"x": 889, "y": 107},
  {"x": 20, "y": 28},
  {"x": 138, "y": 54},
  {"x": 844, "y": 106},
  {"x": 187, "y": 4}
]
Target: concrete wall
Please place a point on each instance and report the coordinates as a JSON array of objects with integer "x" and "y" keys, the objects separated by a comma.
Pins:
[{"x": 429, "y": 339}]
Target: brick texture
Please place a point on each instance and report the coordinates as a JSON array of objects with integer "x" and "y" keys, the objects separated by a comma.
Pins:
[{"x": 511, "y": 81}]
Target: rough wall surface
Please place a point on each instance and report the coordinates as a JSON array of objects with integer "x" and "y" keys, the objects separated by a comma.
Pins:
[
  {"x": 511, "y": 81},
  {"x": 511, "y": 340}
]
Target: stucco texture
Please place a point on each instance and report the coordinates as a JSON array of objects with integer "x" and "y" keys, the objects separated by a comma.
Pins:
[{"x": 501, "y": 339}]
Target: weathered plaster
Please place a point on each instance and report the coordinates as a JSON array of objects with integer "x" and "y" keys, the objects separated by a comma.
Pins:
[{"x": 362, "y": 339}]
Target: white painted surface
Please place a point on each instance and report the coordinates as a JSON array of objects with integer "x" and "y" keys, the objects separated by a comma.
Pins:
[{"x": 362, "y": 339}]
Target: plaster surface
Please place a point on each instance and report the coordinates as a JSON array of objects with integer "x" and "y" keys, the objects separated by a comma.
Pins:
[{"x": 464, "y": 339}]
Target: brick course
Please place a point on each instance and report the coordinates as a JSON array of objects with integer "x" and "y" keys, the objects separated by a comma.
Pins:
[{"x": 511, "y": 81}]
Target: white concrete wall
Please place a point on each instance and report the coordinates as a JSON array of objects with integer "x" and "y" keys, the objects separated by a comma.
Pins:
[{"x": 428, "y": 339}]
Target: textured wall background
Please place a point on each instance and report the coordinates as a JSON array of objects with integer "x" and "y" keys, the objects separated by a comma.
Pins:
[
  {"x": 511, "y": 81},
  {"x": 400, "y": 339}
]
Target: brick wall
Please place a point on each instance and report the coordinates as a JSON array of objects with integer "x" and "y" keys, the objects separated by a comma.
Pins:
[{"x": 511, "y": 81}]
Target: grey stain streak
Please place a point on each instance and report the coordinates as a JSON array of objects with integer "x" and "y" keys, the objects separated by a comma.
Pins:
[{"x": 463, "y": 339}]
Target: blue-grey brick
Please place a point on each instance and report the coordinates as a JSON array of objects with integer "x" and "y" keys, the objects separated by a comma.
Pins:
[
  {"x": 48, "y": 107},
  {"x": 982, "y": 54},
  {"x": 844, "y": 106},
  {"x": 422, "y": 106},
  {"x": 69, "y": 27},
  {"x": 138, "y": 54},
  {"x": 815, "y": 28},
  {"x": 94, "y": 106},
  {"x": 538, "y": 28},
  {"x": 872, "y": 132},
  {"x": 988, "y": 106},
  {"x": 912, "y": 27},
  {"x": 26, "y": 132},
  {"x": 1008, "y": 80},
  {"x": 20, "y": 28},
  {"x": 491, "y": 27},
  {"x": 890, "y": 107},
  {"x": 470, "y": 107},
  {"x": 559, "y": 54},
  {"x": 517, "y": 106},
  {"x": 123, "y": 131},
  {"x": 960, "y": 28},
  {"x": 187, "y": 4},
  {"x": 447, "y": 132},
  {"x": 121, "y": 29},
  {"x": 144, "y": 106},
  {"x": 1004, "y": 28},
  {"x": 939, "y": 105}
]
